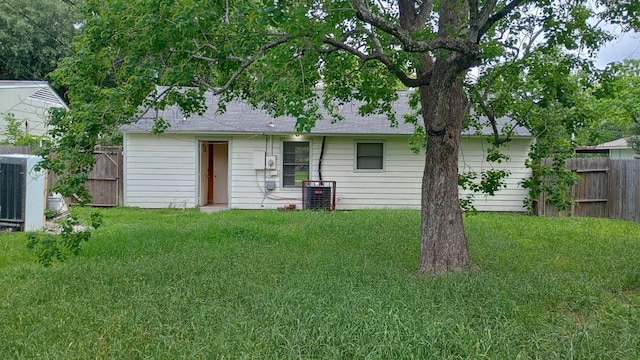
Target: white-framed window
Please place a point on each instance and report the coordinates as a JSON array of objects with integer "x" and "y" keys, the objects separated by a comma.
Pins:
[
  {"x": 369, "y": 155},
  {"x": 295, "y": 163}
]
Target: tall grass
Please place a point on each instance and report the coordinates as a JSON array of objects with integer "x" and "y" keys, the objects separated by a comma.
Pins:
[{"x": 265, "y": 284}]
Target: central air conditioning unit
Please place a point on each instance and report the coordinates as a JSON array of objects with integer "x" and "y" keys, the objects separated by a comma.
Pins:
[
  {"x": 319, "y": 195},
  {"x": 22, "y": 192}
]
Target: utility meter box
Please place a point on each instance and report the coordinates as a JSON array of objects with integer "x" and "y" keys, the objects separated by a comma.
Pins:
[{"x": 270, "y": 162}]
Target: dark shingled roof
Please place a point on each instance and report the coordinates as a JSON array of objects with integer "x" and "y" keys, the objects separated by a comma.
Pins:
[{"x": 240, "y": 117}]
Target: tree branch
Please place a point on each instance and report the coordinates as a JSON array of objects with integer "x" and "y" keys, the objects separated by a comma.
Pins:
[
  {"x": 411, "y": 18},
  {"x": 424, "y": 11},
  {"x": 473, "y": 11},
  {"x": 342, "y": 46},
  {"x": 365, "y": 14},
  {"x": 205, "y": 58},
  {"x": 478, "y": 17},
  {"x": 407, "y": 15},
  {"x": 458, "y": 45},
  {"x": 377, "y": 55},
  {"x": 491, "y": 116},
  {"x": 247, "y": 62},
  {"x": 496, "y": 134},
  {"x": 152, "y": 104},
  {"x": 485, "y": 25}
]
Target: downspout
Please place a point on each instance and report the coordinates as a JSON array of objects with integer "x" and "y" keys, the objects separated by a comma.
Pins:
[{"x": 324, "y": 138}]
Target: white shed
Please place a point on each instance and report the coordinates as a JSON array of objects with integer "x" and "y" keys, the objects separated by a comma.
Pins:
[
  {"x": 619, "y": 149},
  {"x": 245, "y": 159}
]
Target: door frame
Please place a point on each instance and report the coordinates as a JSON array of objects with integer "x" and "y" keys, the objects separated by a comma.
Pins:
[{"x": 204, "y": 160}]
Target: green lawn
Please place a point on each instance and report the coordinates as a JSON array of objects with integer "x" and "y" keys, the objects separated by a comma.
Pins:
[{"x": 175, "y": 284}]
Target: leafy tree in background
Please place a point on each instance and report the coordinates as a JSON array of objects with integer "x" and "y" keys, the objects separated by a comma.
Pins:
[
  {"x": 616, "y": 104},
  {"x": 274, "y": 53},
  {"x": 543, "y": 92},
  {"x": 34, "y": 35},
  {"x": 634, "y": 139}
]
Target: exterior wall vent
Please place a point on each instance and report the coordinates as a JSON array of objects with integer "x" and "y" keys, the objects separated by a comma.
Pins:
[
  {"x": 22, "y": 192},
  {"x": 319, "y": 195}
]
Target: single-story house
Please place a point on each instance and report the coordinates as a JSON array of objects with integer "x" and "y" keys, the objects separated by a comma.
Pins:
[
  {"x": 243, "y": 158},
  {"x": 30, "y": 103},
  {"x": 616, "y": 149}
]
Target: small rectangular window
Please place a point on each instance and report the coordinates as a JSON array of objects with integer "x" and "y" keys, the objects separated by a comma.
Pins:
[
  {"x": 369, "y": 155},
  {"x": 295, "y": 164}
]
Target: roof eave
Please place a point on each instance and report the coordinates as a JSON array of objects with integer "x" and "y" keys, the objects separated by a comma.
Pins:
[{"x": 291, "y": 133}]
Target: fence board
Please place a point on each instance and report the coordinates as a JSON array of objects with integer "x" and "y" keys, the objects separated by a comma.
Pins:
[
  {"x": 592, "y": 193},
  {"x": 625, "y": 190},
  {"x": 609, "y": 188},
  {"x": 10, "y": 149},
  {"x": 103, "y": 192},
  {"x": 105, "y": 180}
]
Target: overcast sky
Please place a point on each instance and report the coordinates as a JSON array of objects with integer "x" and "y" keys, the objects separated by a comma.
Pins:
[{"x": 626, "y": 47}]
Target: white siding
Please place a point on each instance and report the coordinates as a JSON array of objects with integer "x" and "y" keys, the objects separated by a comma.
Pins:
[
  {"x": 628, "y": 153},
  {"x": 32, "y": 115},
  {"x": 473, "y": 158},
  {"x": 248, "y": 184},
  {"x": 162, "y": 171},
  {"x": 397, "y": 186}
]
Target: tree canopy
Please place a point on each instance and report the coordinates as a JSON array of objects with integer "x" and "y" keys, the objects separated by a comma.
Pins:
[
  {"x": 616, "y": 103},
  {"x": 34, "y": 35},
  {"x": 273, "y": 53}
]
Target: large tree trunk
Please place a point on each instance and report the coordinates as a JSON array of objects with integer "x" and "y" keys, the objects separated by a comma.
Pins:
[{"x": 443, "y": 240}]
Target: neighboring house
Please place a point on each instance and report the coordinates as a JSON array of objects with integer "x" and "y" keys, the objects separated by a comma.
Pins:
[
  {"x": 29, "y": 102},
  {"x": 232, "y": 159},
  {"x": 616, "y": 149}
]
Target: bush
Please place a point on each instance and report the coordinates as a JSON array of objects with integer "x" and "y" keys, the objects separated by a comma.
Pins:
[{"x": 51, "y": 246}]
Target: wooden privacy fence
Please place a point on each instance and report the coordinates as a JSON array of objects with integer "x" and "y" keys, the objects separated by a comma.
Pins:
[
  {"x": 608, "y": 188},
  {"x": 10, "y": 149},
  {"x": 105, "y": 181}
]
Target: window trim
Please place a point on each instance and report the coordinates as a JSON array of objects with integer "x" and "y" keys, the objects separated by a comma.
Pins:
[
  {"x": 369, "y": 141},
  {"x": 282, "y": 143}
]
